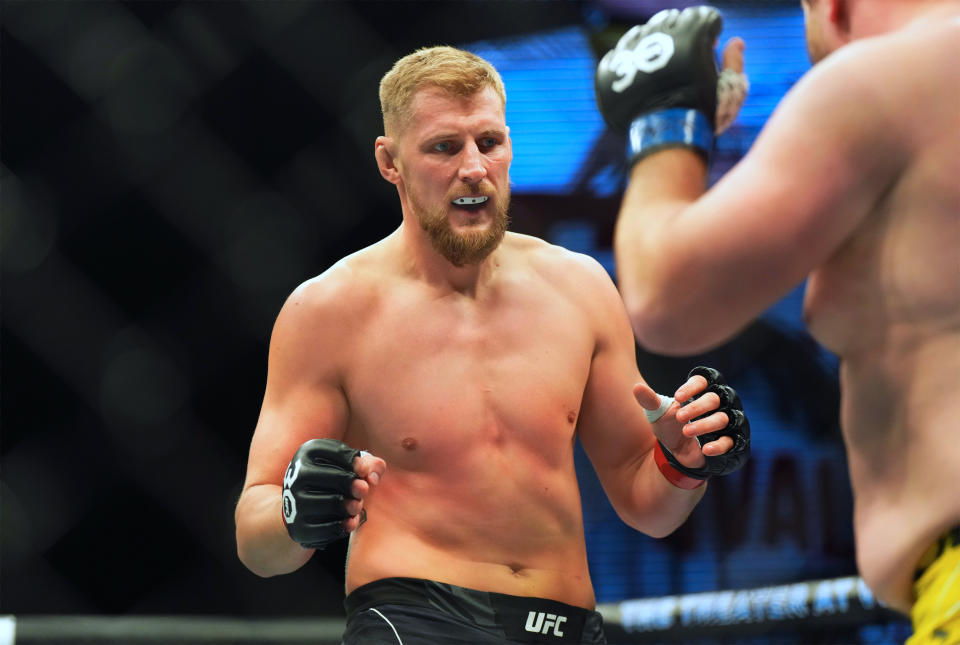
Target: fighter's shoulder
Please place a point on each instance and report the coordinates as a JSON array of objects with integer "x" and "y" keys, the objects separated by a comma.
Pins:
[
  {"x": 933, "y": 42},
  {"x": 561, "y": 265},
  {"x": 345, "y": 290},
  {"x": 892, "y": 73},
  {"x": 897, "y": 59},
  {"x": 937, "y": 29}
]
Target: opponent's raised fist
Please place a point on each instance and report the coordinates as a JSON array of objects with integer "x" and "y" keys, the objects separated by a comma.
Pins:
[
  {"x": 660, "y": 84},
  {"x": 316, "y": 487},
  {"x": 666, "y": 63}
]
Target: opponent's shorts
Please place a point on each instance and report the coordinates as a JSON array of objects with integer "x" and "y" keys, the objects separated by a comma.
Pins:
[
  {"x": 936, "y": 613},
  {"x": 412, "y": 611}
]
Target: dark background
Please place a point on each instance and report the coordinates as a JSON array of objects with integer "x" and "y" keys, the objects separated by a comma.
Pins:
[{"x": 170, "y": 171}]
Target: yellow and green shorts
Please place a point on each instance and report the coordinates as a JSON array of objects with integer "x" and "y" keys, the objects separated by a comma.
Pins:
[{"x": 936, "y": 611}]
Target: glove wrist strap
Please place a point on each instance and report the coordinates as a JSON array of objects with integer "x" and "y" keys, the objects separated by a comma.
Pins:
[
  {"x": 671, "y": 128},
  {"x": 674, "y": 476}
]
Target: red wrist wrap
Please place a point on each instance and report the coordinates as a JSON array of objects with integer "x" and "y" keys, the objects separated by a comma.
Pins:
[{"x": 673, "y": 475}]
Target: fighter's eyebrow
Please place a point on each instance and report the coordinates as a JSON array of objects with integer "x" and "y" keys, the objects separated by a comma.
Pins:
[
  {"x": 496, "y": 132},
  {"x": 489, "y": 132},
  {"x": 443, "y": 136}
]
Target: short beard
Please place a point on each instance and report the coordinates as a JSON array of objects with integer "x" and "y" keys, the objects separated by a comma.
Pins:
[{"x": 471, "y": 246}]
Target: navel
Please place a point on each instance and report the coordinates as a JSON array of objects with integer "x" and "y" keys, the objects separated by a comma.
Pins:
[{"x": 518, "y": 570}]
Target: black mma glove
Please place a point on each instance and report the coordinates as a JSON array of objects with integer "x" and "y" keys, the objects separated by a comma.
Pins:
[
  {"x": 659, "y": 84},
  {"x": 315, "y": 489},
  {"x": 738, "y": 429}
]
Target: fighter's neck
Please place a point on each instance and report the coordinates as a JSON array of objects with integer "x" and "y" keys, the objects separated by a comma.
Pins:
[{"x": 421, "y": 261}]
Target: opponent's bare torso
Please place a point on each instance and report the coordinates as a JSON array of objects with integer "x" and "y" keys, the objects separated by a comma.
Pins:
[
  {"x": 473, "y": 401},
  {"x": 888, "y": 303}
]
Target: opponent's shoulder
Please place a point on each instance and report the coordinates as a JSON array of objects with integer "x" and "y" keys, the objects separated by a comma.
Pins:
[
  {"x": 912, "y": 62},
  {"x": 939, "y": 27},
  {"x": 902, "y": 75},
  {"x": 933, "y": 43},
  {"x": 888, "y": 72}
]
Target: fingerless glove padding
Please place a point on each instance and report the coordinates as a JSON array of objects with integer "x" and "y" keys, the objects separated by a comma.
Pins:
[
  {"x": 315, "y": 487},
  {"x": 738, "y": 429}
]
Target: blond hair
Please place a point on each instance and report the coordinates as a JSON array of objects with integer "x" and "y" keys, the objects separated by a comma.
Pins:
[{"x": 456, "y": 71}]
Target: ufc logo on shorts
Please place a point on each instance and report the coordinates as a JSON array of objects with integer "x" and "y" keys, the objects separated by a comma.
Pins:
[{"x": 541, "y": 623}]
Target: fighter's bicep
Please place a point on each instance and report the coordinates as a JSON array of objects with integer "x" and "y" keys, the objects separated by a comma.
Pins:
[
  {"x": 613, "y": 430},
  {"x": 612, "y": 426},
  {"x": 307, "y": 412},
  {"x": 304, "y": 398}
]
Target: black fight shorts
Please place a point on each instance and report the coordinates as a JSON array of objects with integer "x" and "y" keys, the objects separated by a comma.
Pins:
[{"x": 411, "y": 611}]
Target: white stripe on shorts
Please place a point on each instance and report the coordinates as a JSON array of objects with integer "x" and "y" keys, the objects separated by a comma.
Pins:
[{"x": 389, "y": 623}]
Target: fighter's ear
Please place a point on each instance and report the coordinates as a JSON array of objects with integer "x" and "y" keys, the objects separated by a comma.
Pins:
[
  {"x": 384, "y": 149},
  {"x": 839, "y": 12}
]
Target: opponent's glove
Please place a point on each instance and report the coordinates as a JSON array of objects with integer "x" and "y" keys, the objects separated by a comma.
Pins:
[
  {"x": 660, "y": 83},
  {"x": 315, "y": 487},
  {"x": 738, "y": 429}
]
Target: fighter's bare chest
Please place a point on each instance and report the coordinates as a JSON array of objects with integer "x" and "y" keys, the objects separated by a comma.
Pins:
[{"x": 472, "y": 371}]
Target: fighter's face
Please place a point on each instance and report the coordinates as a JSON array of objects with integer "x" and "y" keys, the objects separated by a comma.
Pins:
[{"x": 454, "y": 160}]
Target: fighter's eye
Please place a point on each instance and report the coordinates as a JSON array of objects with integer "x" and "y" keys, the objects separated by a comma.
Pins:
[
  {"x": 443, "y": 146},
  {"x": 488, "y": 142}
]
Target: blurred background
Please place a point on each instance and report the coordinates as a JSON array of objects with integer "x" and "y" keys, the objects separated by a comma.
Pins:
[{"x": 172, "y": 170}]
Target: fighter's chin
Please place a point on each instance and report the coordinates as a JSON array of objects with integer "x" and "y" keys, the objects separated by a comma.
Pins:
[
  {"x": 472, "y": 250},
  {"x": 464, "y": 246},
  {"x": 476, "y": 223}
]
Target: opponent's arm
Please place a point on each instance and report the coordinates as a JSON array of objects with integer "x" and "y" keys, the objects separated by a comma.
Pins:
[
  {"x": 303, "y": 487},
  {"x": 653, "y": 475},
  {"x": 813, "y": 174}
]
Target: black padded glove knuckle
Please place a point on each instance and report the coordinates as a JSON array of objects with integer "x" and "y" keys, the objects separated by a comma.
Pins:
[
  {"x": 666, "y": 63},
  {"x": 319, "y": 535},
  {"x": 329, "y": 451},
  {"x": 316, "y": 485},
  {"x": 712, "y": 375},
  {"x": 737, "y": 428},
  {"x": 729, "y": 400},
  {"x": 324, "y": 478}
]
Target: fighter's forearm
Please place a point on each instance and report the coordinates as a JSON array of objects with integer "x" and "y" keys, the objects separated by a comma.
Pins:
[
  {"x": 672, "y": 505},
  {"x": 655, "y": 506},
  {"x": 263, "y": 543},
  {"x": 652, "y": 252}
]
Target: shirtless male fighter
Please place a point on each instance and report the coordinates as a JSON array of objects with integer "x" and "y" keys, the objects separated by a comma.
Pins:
[
  {"x": 853, "y": 182},
  {"x": 467, "y": 360}
]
